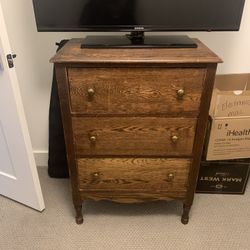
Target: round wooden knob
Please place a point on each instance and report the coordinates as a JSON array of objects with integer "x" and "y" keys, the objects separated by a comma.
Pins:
[
  {"x": 170, "y": 177},
  {"x": 91, "y": 92},
  {"x": 174, "y": 138},
  {"x": 92, "y": 138},
  {"x": 180, "y": 93}
]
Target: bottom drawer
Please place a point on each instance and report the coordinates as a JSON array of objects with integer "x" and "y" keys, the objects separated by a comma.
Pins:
[{"x": 134, "y": 175}]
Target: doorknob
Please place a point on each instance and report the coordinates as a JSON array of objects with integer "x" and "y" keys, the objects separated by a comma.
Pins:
[{"x": 10, "y": 60}]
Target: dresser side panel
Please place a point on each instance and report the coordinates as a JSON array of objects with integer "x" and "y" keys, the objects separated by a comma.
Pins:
[
  {"x": 201, "y": 131},
  {"x": 63, "y": 91}
]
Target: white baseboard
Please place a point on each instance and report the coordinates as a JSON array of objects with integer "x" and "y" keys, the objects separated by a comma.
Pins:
[{"x": 41, "y": 158}]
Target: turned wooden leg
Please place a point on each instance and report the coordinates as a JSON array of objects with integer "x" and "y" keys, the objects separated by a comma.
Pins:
[
  {"x": 185, "y": 214},
  {"x": 79, "y": 217}
]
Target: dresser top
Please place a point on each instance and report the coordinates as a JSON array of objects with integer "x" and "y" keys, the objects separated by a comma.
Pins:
[{"x": 72, "y": 53}]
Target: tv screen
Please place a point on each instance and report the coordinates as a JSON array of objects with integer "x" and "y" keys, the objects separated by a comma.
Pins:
[{"x": 147, "y": 15}]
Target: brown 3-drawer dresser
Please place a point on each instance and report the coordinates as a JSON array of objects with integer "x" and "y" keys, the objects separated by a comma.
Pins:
[{"x": 134, "y": 121}]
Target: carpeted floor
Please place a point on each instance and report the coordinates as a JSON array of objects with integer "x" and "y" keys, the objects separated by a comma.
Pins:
[{"x": 216, "y": 222}]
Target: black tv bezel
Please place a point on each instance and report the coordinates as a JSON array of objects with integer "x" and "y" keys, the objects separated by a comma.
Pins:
[
  {"x": 129, "y": 28},
  {"x": 132, "y": 28}
]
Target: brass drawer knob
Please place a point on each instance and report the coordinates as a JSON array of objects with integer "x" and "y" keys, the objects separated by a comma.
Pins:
[
  {"x": 91, "y": 92},
  {"x": 170, "y": 177},
  {"x": 174, "y": 138},
  {"x": 92, "y": 139},
  {"x": 180, "y": 93},
  {"x": 96, "y": 175}
]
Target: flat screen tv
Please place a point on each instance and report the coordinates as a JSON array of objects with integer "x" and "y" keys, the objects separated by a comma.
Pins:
[{"x": 138, "y": 16}]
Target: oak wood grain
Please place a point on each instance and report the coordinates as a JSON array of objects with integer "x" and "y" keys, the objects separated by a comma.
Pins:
[
  {"x": 200, "y": 133},
  {"x": 72, "y": 53},
  {"x": 135, "y": 90},
  {"x": 63, "y": 91},
  {"x": 133, "y": 136},
  {"x": 131, "y": 197},
  {"x": 119, "y": 144},
  {"x": 134, "y": 175}
]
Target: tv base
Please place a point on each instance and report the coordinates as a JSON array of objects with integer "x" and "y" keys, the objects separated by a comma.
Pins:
[{"x": 138, "y": 40}]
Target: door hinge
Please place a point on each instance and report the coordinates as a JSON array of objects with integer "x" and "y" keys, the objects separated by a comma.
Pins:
[{"x": 10, "y": 60}]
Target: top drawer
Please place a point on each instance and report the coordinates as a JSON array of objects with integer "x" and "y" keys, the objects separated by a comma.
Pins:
[{"x": 117, "y": 91}]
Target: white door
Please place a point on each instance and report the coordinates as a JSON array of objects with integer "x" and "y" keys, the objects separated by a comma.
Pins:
[{"x": 18, "y": 174}]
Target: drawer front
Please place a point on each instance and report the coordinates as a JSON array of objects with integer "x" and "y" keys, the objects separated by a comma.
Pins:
[
  {"x": 136, "y": 90},
  {"x": 134, "y": 174},
  {"x": 133, "y": 136}
]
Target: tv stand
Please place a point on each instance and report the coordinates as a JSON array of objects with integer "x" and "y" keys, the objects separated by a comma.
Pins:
[
  {"x": 134, "y": 121},
  {"x": 137, "y": 39}
]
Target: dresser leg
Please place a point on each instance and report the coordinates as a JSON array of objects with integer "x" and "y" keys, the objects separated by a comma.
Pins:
[
  {"x": 79, "y": 217},
  {"x": 185, "y": 214}
]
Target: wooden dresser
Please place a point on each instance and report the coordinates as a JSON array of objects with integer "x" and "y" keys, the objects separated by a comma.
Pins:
[{"x": 134, "y": 121}]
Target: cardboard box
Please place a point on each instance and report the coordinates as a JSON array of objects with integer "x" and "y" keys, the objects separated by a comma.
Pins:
[
  {"x": 229, "y": 139},
  {"x": 230, "y": 119},
  {"x": 223, "y": 177},
  {"x": 231, "y": 96}
]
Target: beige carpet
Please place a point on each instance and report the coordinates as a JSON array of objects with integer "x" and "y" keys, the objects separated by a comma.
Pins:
[{"x": 216, "y": 222}]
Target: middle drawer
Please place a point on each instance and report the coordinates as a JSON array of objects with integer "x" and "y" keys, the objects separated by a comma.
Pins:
[{"x": 128, "y": 136}]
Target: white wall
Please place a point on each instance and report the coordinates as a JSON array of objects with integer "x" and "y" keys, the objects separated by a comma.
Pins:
[{"x": 35, "y": 49}]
